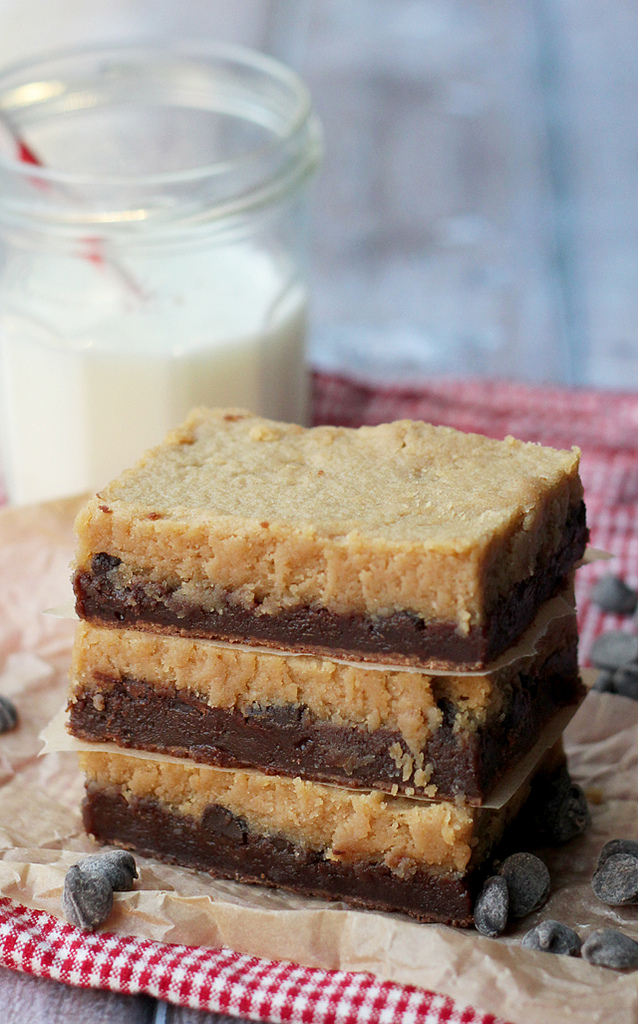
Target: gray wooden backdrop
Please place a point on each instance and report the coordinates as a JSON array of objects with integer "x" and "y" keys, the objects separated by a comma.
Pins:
[{"x": 477, "y": 211}]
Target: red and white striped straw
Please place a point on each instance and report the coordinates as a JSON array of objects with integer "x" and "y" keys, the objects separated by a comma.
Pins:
[{"x": 14, "y": 146}]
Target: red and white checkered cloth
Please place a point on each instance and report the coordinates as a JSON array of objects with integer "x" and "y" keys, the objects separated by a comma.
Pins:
[
  {"x": 216, "y": 980},
  {"x": 606, "y": 428}
]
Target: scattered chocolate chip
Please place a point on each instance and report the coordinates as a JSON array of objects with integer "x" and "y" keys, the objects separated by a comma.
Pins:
[
  {"x": 559, "y": 809},
  {"x": 117, "y": 866},
  {"x": 605, "y": 682},
  {"x": 8, "y": 715},
  {"x": 608, "y": 948},
  {"x": 570, "y": 819},
  {"x": 614, "y": 649},
  {"x": 491, "y": 907},
  {"x": 625, "y": 681},
  {"x": 552, "y": 937},
  {"x": 616, "y": 882},
  {"x": 613, "y": 595},
  {"x": 629, "y": 846},
  {"x": 528, "y": 883},
  {"x": 87, "y": 898}
]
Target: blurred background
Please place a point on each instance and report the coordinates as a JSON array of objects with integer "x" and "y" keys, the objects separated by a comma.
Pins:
[{"x": 477, "y": 210}]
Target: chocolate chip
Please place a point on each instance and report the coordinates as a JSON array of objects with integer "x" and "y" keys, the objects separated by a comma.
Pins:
[
  {"x": 614, "y": 649},
  {"x": 528, "y": 883},
  {"x": 552, "y": 937},
  {"x": 87, "y": 899},
  {"x": 608, "y": 948},
  {"x": 616, "y": 882},
  {"x": 613, "y": 595},
  {"x": 8, "y": 715},
  {"x": 491, "y": 907},
  {"x": 219, "y": 821},
  {"x": 605, "y": 682},
  {"x": 625, "y": 681},
  {"x": 573, "y": 818},
  {"x": 448, "y": 710},
  {"x": 628, "y": 846},
  {"x": 103, "y": 563},
  {"x": 559, "y": 809},
  {"x": 568, "y": 818},
  {"x": 117, "y": 866},
  {"x": 281, "y": 715}
]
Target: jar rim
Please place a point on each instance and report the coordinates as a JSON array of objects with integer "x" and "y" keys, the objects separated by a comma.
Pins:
[{"x": 303, "y": 122}]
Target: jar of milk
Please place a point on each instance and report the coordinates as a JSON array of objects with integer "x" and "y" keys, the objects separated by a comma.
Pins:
[{"x": 152, "y": 253}]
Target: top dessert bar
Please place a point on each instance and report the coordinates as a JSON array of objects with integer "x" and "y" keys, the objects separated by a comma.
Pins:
[{"x": 401, "y": 543}]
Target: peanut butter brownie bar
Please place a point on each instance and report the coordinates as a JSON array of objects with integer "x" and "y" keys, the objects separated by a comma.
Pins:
[
  {"x": 369, "y": 849},
  {"x": 398, "y": 543},
  {"x": 394, "y": 730}
]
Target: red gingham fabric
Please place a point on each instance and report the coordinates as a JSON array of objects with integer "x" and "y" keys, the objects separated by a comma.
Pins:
[
  {"x": 217, "y": 980},
  {"x": 606, "y": 428}
]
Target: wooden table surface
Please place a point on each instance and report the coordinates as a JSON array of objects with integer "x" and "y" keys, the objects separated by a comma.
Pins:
[
  {"x": 27, "y": 1000},
  {"x": 476, "y": 213}
]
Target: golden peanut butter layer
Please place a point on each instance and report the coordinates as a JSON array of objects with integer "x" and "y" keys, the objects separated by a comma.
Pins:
[
  {"x": 239, "y": 518},
  {"x": 399, "y": 731}
]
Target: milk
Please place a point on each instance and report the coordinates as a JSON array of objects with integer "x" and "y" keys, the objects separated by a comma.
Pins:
[{"x": 99, "y": 360}]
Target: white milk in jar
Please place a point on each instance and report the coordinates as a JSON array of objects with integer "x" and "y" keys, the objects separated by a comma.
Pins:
[
  {"x": 135, "y": 287},
  {"x": 104, "y": 378}
]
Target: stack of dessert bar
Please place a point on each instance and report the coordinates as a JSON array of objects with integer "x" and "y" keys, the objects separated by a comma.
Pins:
[{"x": 343, "y": 639}]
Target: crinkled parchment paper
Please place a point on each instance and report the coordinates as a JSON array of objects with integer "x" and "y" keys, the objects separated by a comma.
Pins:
[{"x": 41, "y": 835}]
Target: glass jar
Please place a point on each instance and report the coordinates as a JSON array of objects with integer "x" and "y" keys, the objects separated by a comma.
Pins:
[{"x": 153, "y": 259}]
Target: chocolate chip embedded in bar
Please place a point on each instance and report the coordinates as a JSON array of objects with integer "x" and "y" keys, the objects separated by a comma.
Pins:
[
  {"x": 368, "y": 849},
  {"x": 397, "y": 731},
  {"x": 403, "y": 542}
]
